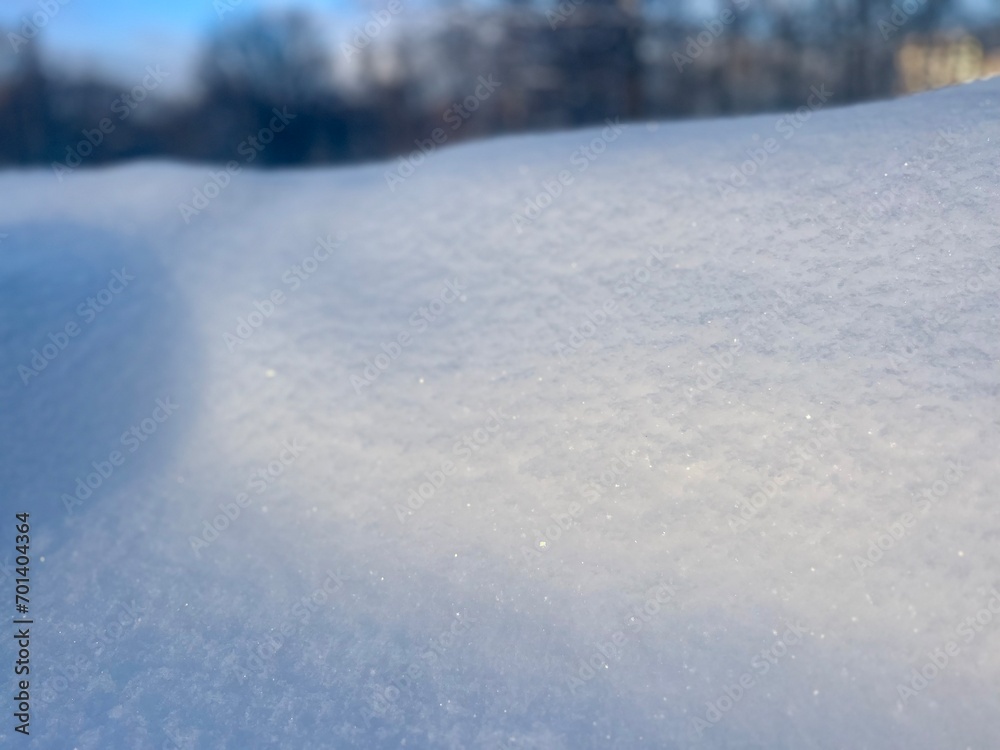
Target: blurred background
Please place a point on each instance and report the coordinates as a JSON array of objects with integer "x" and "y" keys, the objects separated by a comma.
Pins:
[{"x": 87, "y": 82}]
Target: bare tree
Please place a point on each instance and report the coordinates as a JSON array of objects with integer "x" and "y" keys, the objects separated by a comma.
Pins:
[{"x": 270, "y": 57}]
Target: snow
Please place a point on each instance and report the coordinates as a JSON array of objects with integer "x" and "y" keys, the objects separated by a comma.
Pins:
[{"x": 820, "y": 341}]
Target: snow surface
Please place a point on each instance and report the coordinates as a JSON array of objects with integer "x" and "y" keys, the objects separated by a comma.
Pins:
[{"x": 852, "y": 280}]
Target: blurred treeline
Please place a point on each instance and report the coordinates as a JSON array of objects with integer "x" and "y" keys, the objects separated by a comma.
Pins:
[{"x": 392, "y": 81}]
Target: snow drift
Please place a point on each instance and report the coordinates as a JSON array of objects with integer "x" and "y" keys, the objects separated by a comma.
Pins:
[{"x": 639, "y": 436}]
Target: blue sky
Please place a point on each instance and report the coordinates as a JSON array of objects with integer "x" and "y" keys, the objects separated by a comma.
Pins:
[
  {"x": 121, "y": 37},
  {"x": 108, "y": 17}
]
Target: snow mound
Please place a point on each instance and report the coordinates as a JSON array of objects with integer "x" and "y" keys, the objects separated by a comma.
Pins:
[{"x": 640, "y": 436}]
